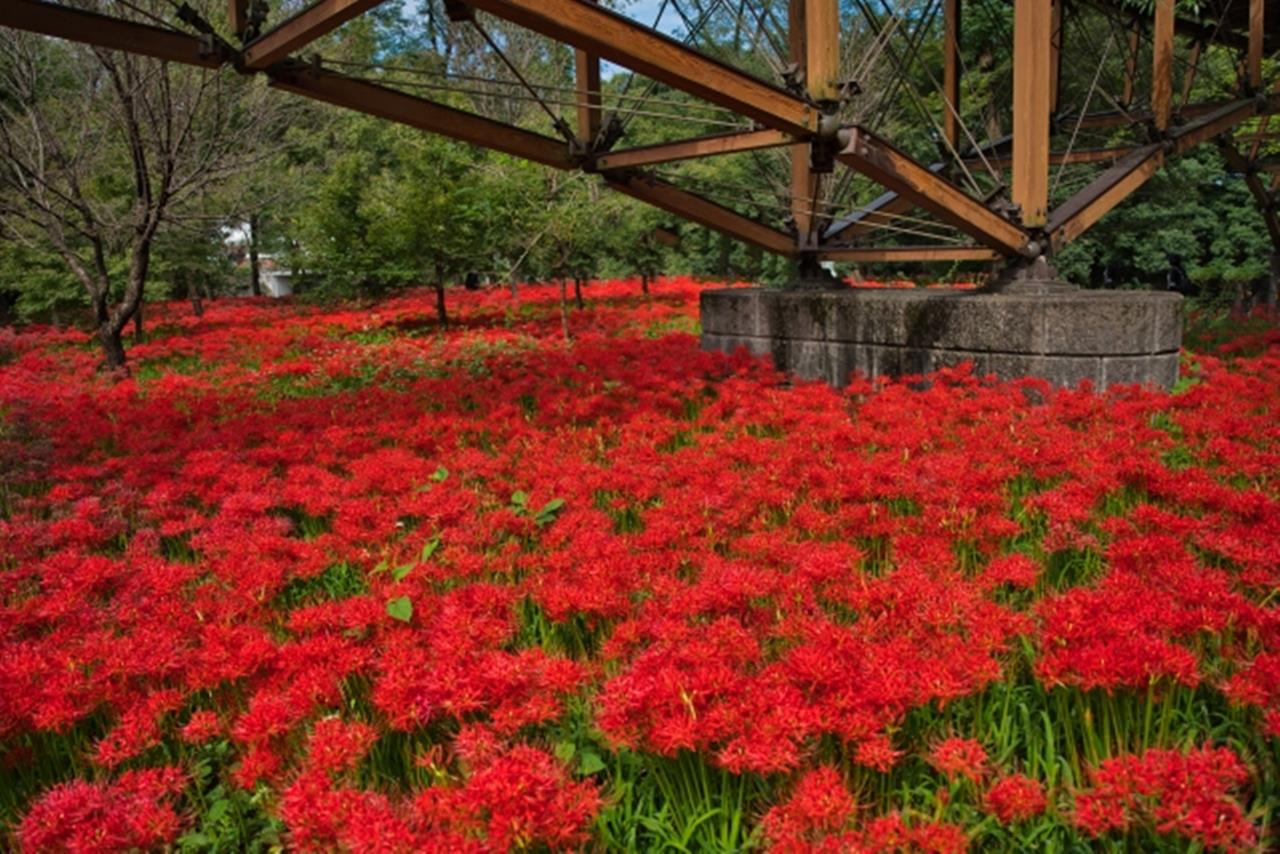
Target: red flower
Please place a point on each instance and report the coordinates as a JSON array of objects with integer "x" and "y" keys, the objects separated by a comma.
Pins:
[
  {"x": 1015, "y": 798},
  {"x": 959, "y": 757}
]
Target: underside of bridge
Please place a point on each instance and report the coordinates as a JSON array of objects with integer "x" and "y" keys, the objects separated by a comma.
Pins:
[{"x": 992, "y": 190}]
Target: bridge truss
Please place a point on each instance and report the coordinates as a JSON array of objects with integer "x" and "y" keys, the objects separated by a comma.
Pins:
[{"x": 985, "y": 194}]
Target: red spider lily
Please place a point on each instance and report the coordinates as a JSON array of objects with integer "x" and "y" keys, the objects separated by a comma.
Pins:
[
  {"x": 1193, "y": 795},
  {"x": 1015, "y": 797}
]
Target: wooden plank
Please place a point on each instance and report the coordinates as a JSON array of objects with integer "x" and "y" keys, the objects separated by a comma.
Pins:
[
  {"x": 321, "y": 17},
  {"x": 1162, "y": 65},
  {"x": 951, "y": 73},
  {"x": 908, "y": 254},
  {"x": 670, "y": 198},
  {"x": 91, "y": 28},
  {"x": 375, "y": 100},
  {"x": 1256, "y": 35},
  {"x": 685, "y": 149},
  {"x": 619, "y": 39},
  {"x": 1032, "y": 81},
  {"x": 880, "y": 161},
  {"x": 587, "y": 84},
  {"x": 1072, "y": 218}
]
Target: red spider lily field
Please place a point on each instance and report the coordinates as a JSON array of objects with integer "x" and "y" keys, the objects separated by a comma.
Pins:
[{"x": 324, "y": 578}]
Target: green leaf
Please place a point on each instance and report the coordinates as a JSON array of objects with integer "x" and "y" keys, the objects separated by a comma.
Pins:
[
  {"x": 217, "y": 810},
  {"x": 549, "y": 510},
  {"x": 429, "y": 548},
  {"x": 590, "y": 763},
  {"x": 381, "y": 567},
  {"x": 564, "y": 751},
  {"x": 519, "y": 498},
  {"x": 401, "y": 571},
  {"x": 440, "y": 474},
  {"x": 400, "y": 609}
]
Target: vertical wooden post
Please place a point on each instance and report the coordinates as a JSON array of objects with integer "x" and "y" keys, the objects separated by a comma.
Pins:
[
  {"x": 1255, "y": 44},
  {"x": 238, "y": 15},
  {"x": 1032, "y": 80},
  {"x": 822, "y": 47},
  {"x": 1055, "y": 58},
  {"x": 1189, "y": 76},
  {"x": 802, "y": 186},
  {"x": 1162, "y": 65},
  {"x": 951, "y": 74},
  {"x": 814, "y": 36},
  {"x": 587, "y": 82},
  {"x": 1131, "y": 62}
]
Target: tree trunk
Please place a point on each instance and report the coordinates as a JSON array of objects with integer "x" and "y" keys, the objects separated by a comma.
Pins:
[
  {"x": 577, "y": 292},
  {"x": 112, "y": 347},
  {"x": 564, "y": 311},
  {"x": 644, "y": 283},
  {"x": 255, "y": 268},
  {"x": 441, "y": 313},
  {"x": 511, "y": 283},
  {"x": 1273, "y": 282},
  {"x": 193, "y": 293},
  {"x": 725, "y": 249},
  {"x": 138, "y": 334}
]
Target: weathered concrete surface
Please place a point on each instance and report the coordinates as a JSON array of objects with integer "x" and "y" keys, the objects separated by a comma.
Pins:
[{"x": 1106, "y": 337}]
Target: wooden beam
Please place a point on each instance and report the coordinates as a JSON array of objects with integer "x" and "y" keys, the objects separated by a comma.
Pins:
[
  {"x": 91, "y": 28},
  {"x": 685, "y": 149},
  {"x": 1055, "y": 56},
  {"x": 803, "y": 186},
  {"x": 1209, "y": 125},
  {"x": 908, "y": 254},
  {"x": 1075, "y": 216},
  {"x": 238, "y": 15},
  {"x": 880, "y": 161},
  {"x": 822, "y": 49},
  {"x": 670, "y": 198},
  {"x": 298, "y": 31},
  {"x": 619, "y": 39},
  {"x": 1259, "y": 137},
  {"x": 587, "y": 83},
  {"x": 1095, "y": 121},
  {"x": 1032, "y": 94},
  {"x": 1059, "y": 158},
  {"x": 1072, "y": 218},
  {"x": 375, "y": 100},
  {"x": 1189, "y": 76},
  {"x": 1131, "y": 61},
  {"x": 951, "y": 73},
  {"x": 1162, "y": 65},
  {"x": 1257, "y": 143},
  {"x": 1208, "y": 32},
  {"x": 1257, "y": 187},
  {"x": 1256, "y": 35},
  {"x": 882, "y": 209}
]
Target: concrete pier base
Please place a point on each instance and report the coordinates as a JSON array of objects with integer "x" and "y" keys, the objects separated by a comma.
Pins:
[{"x": 1106, "y": 337}]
